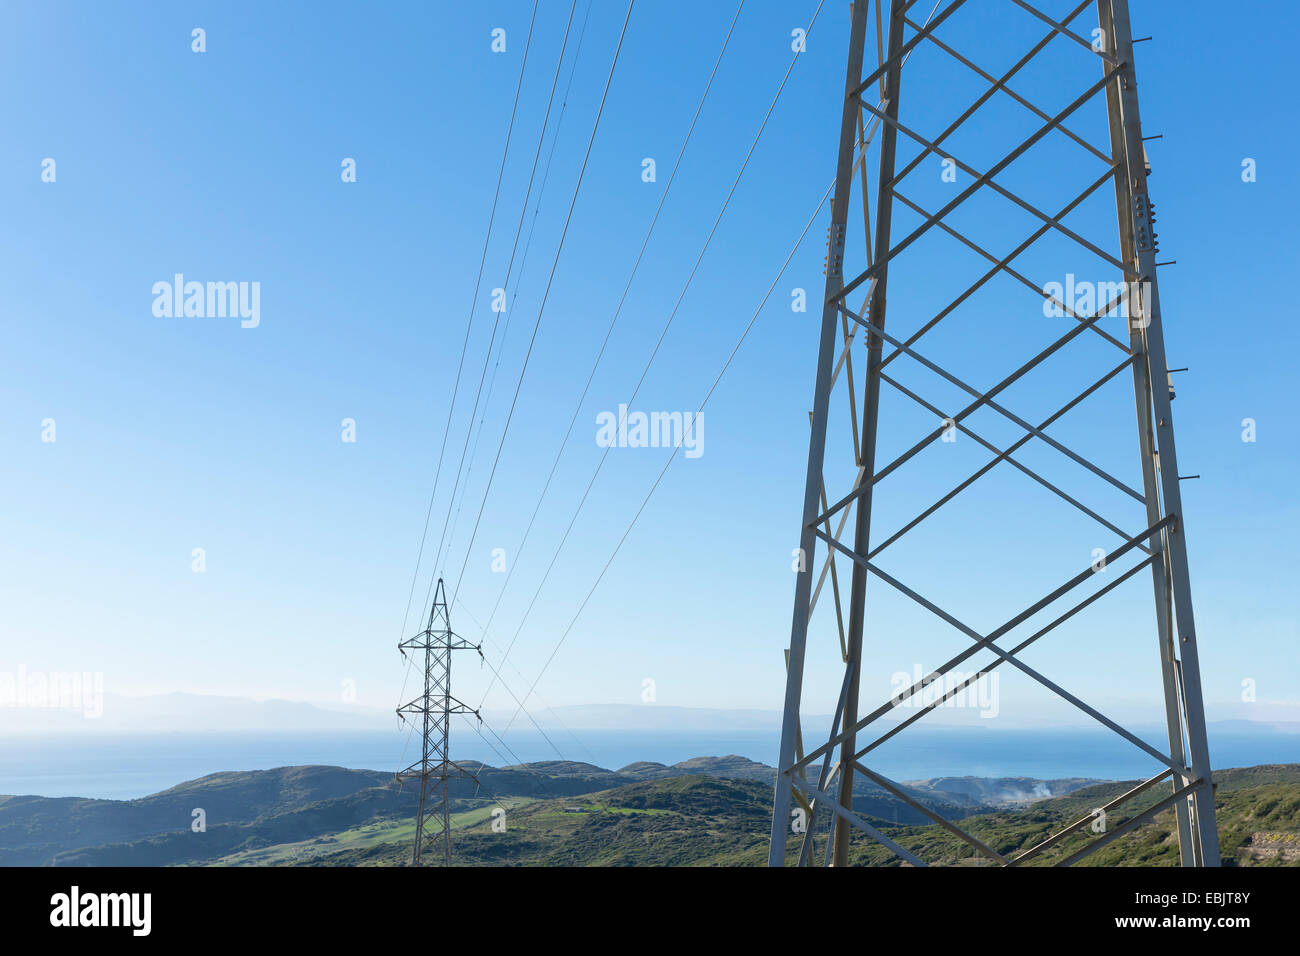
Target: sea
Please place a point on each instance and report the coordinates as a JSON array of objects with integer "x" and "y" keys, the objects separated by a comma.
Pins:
[{"x": 128, "y": 766}]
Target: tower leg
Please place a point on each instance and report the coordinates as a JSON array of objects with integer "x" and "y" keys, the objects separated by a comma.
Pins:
[
  {"x": 870, "y": 418},
  {"x": 1185, "y": 710},
  {"x": 781, "y": 813}
]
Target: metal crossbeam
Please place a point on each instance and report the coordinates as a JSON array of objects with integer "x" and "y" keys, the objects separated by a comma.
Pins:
[
  {"x": 1001, "y": 456},
  {"x": 986, "y": 179},
  {"x": 1061, "y": 29},
  {"x": 1001, "y": 266},
  {"x": 983, "y": 641},
  {"x": 974, "y": 678},
  {"x": 987, "y": 641},
  {"x": 844, "y": 813},
  {"x": 983, "y": 74},
  {"x": 986, "y": 398},
  {"x": 981, "y": 399},
  {"x": 1083, "y": 821},
  {"x": 983, "y": 179},
  {"x": 952, "y": 828}
]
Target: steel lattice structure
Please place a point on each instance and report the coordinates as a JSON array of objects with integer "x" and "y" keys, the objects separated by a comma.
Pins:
[
  {"x": 815, "y": 784},
  {"x": 434, "y": 709}
]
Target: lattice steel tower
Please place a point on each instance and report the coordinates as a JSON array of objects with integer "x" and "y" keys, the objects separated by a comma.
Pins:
[
  {"x": 434, "y": 709},
  {"x": 988, "y": 184}
]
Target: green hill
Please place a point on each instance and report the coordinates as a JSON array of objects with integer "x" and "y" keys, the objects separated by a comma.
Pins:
[
  {"x": 33, "y": 830},
  {"x": 252, "y": 810},
  {"x": 579, "y": 815},
  {"x": 1257, "y": 808}
]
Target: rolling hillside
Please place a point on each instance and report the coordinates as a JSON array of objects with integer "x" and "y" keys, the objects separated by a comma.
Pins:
[{"x": 706, "y": 811}]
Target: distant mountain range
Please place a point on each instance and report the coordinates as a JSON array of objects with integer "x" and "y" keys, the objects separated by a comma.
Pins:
[{"x": 197, "y": 713}]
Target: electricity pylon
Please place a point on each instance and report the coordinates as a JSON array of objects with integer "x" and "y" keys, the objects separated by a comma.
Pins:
[
  {"x": 434, "y": 709},
  {"x": 978, "y": 171}
]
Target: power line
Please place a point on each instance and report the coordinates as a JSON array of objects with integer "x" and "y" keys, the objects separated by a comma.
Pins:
[
  {"x": 505, "y": 761},
  {"x": 549, "y": 708},
  {"x": 541, "y": 140},
  {"x": 673, "y": 455},
  {"x": 546, "y": 175},
  {"x": 664, "y": 332},
  {"x": 523, "y": 210},
  {"x": 718, "y": 379},
  {"x": 541, "y": 309},
  {"x": 505, "y": 152},
  {"x": 609, "y": 332},
  {"x": 520, "y": 707}
]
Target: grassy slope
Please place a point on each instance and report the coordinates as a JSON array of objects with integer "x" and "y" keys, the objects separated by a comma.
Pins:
[
  {"x": 1258, "y": 812},
  {"x": 574, "y": 819},
  {"x": 671, "y": 822},
  {"x": 702, "y": 821},
  {"x": 35, "y": 829},
  {"x": 251, "y": 810}
]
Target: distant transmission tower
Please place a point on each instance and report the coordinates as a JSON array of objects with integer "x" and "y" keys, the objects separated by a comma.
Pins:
[
  {"x": 434, "y": 709},
  {"x": 990, "y": 177}
]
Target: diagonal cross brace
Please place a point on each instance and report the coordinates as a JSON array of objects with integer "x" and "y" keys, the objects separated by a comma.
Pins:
[
  {"x": 985, "y": 75},
  {"x": 982, "y": 641},
  {"x": 997, "y": 84},
  {"x": 998, "y": 266},
  {"x": 1063, "y": 31},
  {"x": 986, "y": 179},
  {"x": 878, "y": 266},
  {"x": 1001, "y": 456},
  {"x": 856, "y": 821},
  {"x": 1004, "y": 266},
  {"x": 897, "y": 699},
  {"x": 1010, "y": 659},
  {"x": 981, "y": 399}
]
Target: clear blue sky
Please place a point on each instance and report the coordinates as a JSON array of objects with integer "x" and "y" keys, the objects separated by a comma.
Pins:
[{"x": 175, "y": 434}]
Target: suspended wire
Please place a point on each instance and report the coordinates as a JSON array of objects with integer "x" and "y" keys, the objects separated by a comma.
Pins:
[
  {"x": 548, "y": 707},
  {"x": 523, "y": 262},
  {"x": 487, "y": 358},
  {"x": 546, "y": 295},
  {"x": 528, "y": 243},
  {"x": 725, "y": 365},
  {"x": 505, "y": 761},
  {"x": 613, "y": 321},
  {"x": 505, "y": 152},
  {"x": 664, "y": 332},
  {"x": 520, "y": 707}
]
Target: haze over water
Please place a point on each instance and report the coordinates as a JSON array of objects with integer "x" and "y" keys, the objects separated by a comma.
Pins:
[{"x": 127, "y": 766}]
